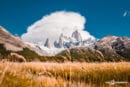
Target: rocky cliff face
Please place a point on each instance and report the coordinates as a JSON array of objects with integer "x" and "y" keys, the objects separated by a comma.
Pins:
[
  {"x": 47, "y": 43},
  {"x": 76, "y": 35},
  {"x": 61, "y": 41}
]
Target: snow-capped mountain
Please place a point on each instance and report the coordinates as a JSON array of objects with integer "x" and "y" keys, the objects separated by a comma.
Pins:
[{"x": 63, "y": 43}]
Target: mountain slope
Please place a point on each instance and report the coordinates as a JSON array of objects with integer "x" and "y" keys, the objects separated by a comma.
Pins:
[{"x": 13, "y": 43}]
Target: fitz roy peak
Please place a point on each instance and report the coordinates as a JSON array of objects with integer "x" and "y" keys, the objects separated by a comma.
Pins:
[
  {"x": 63, "y": 42},
  {"x": 67, "y": 42}
]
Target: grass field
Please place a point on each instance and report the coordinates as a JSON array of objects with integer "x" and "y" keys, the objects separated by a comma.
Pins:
[{"x": 38, "y": 74}]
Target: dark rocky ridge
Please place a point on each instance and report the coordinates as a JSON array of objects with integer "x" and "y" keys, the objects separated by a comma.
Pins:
[
  {"x": 112, "y": 45},
  {"x": 110, "y": 48}
]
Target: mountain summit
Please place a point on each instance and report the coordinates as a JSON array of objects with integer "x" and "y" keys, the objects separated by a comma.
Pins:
[{"x": 63, "y": 42}]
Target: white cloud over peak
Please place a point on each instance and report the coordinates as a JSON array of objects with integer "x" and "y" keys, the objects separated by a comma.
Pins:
[{"x": 51, "y": 26}]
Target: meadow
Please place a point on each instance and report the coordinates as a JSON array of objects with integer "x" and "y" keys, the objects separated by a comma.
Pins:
[{"x": 52, "y": 74}]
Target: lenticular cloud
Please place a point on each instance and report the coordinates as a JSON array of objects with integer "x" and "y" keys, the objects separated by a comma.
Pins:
[{"x": 51, "y": 26}]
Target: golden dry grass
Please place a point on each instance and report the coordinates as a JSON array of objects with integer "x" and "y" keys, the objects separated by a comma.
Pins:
[{"x": 38, "y": 74}]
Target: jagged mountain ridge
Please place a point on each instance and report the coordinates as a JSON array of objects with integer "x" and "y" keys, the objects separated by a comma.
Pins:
[
  {"x": 109, "y": 48},
  {"x": 67, "y": 42},
  {"x": 64, "y": 42}
]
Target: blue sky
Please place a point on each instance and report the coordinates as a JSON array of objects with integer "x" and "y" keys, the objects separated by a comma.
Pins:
[{"x": 104, "y": 17}]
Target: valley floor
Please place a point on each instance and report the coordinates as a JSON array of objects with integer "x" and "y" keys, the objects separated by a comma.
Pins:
[{"x": 38, "y": 74}]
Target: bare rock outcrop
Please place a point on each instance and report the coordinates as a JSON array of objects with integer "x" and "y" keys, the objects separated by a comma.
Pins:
[
  {"x": 17, "y": 58},
  {"x": 48, "y": 43}
]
